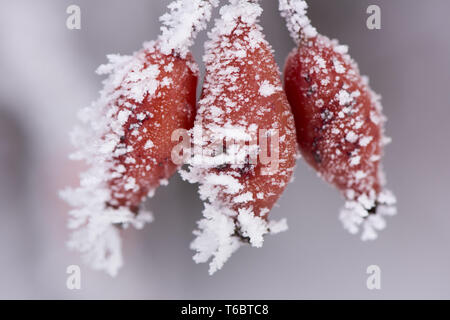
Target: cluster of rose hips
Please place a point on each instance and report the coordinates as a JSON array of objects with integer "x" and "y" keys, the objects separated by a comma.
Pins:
[{"x": 325, "y": 110}]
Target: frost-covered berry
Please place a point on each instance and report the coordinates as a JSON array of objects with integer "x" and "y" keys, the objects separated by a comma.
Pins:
[
  {"x": 126, "y": 137},
  {"x": 242, "y": 97},
  {"x": 156, "y": 96},
  {"x": 339, "y": 121}
]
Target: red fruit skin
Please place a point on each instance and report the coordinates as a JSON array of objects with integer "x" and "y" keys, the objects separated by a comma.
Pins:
[
  {"x": 322, "y": 130},
  {"x": 172, "y": 107},
  {"x": 266, "y": 112}
]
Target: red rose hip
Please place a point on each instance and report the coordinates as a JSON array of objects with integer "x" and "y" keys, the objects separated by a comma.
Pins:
[
  {"x": 242, "y": 102},
  {"x": 339, "y": 121}
]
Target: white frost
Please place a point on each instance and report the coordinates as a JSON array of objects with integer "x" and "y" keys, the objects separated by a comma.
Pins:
[
  {"x": 266, "y": 89},
  {"x": 364, "y": 141},
  {"x": 185, "y": 19},
  {"x": 149, "y": 144},
  {"x": 351, "y": 137},
  {"x": 355, "y": 216},
  {"x": 95, "y": 224},
  {"x": 298, "y": 23},
  {"x": 216, "y": 237},
  {"x": 344, "y": 97}
]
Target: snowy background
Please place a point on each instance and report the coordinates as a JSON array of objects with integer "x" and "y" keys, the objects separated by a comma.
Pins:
[{"x": 47, "y": 74}]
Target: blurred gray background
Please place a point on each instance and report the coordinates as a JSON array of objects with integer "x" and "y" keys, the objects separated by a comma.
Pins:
[{"x": 47, "y": 74}]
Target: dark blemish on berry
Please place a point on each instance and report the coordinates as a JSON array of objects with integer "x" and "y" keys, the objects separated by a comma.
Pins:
[
  {"x": 322, "y": 129},
  {"x": 246, "y": 169},
  {"x": 326, "y": 116},
  {"x": 315, "y": 150},
  {"x": 373, "y": 210},
  {"x": 307, "y": 78},
  {"x": 242, "y": 238},
  {"x": 222, "y": 167},
  {"x": 316, "y": 141},
  {"x": 317, "y": 156}
]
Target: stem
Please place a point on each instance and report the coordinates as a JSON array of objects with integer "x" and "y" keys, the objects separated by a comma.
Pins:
[
  {"x": 180, "y": 26},
  {"x": 297, "y": 22}
]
